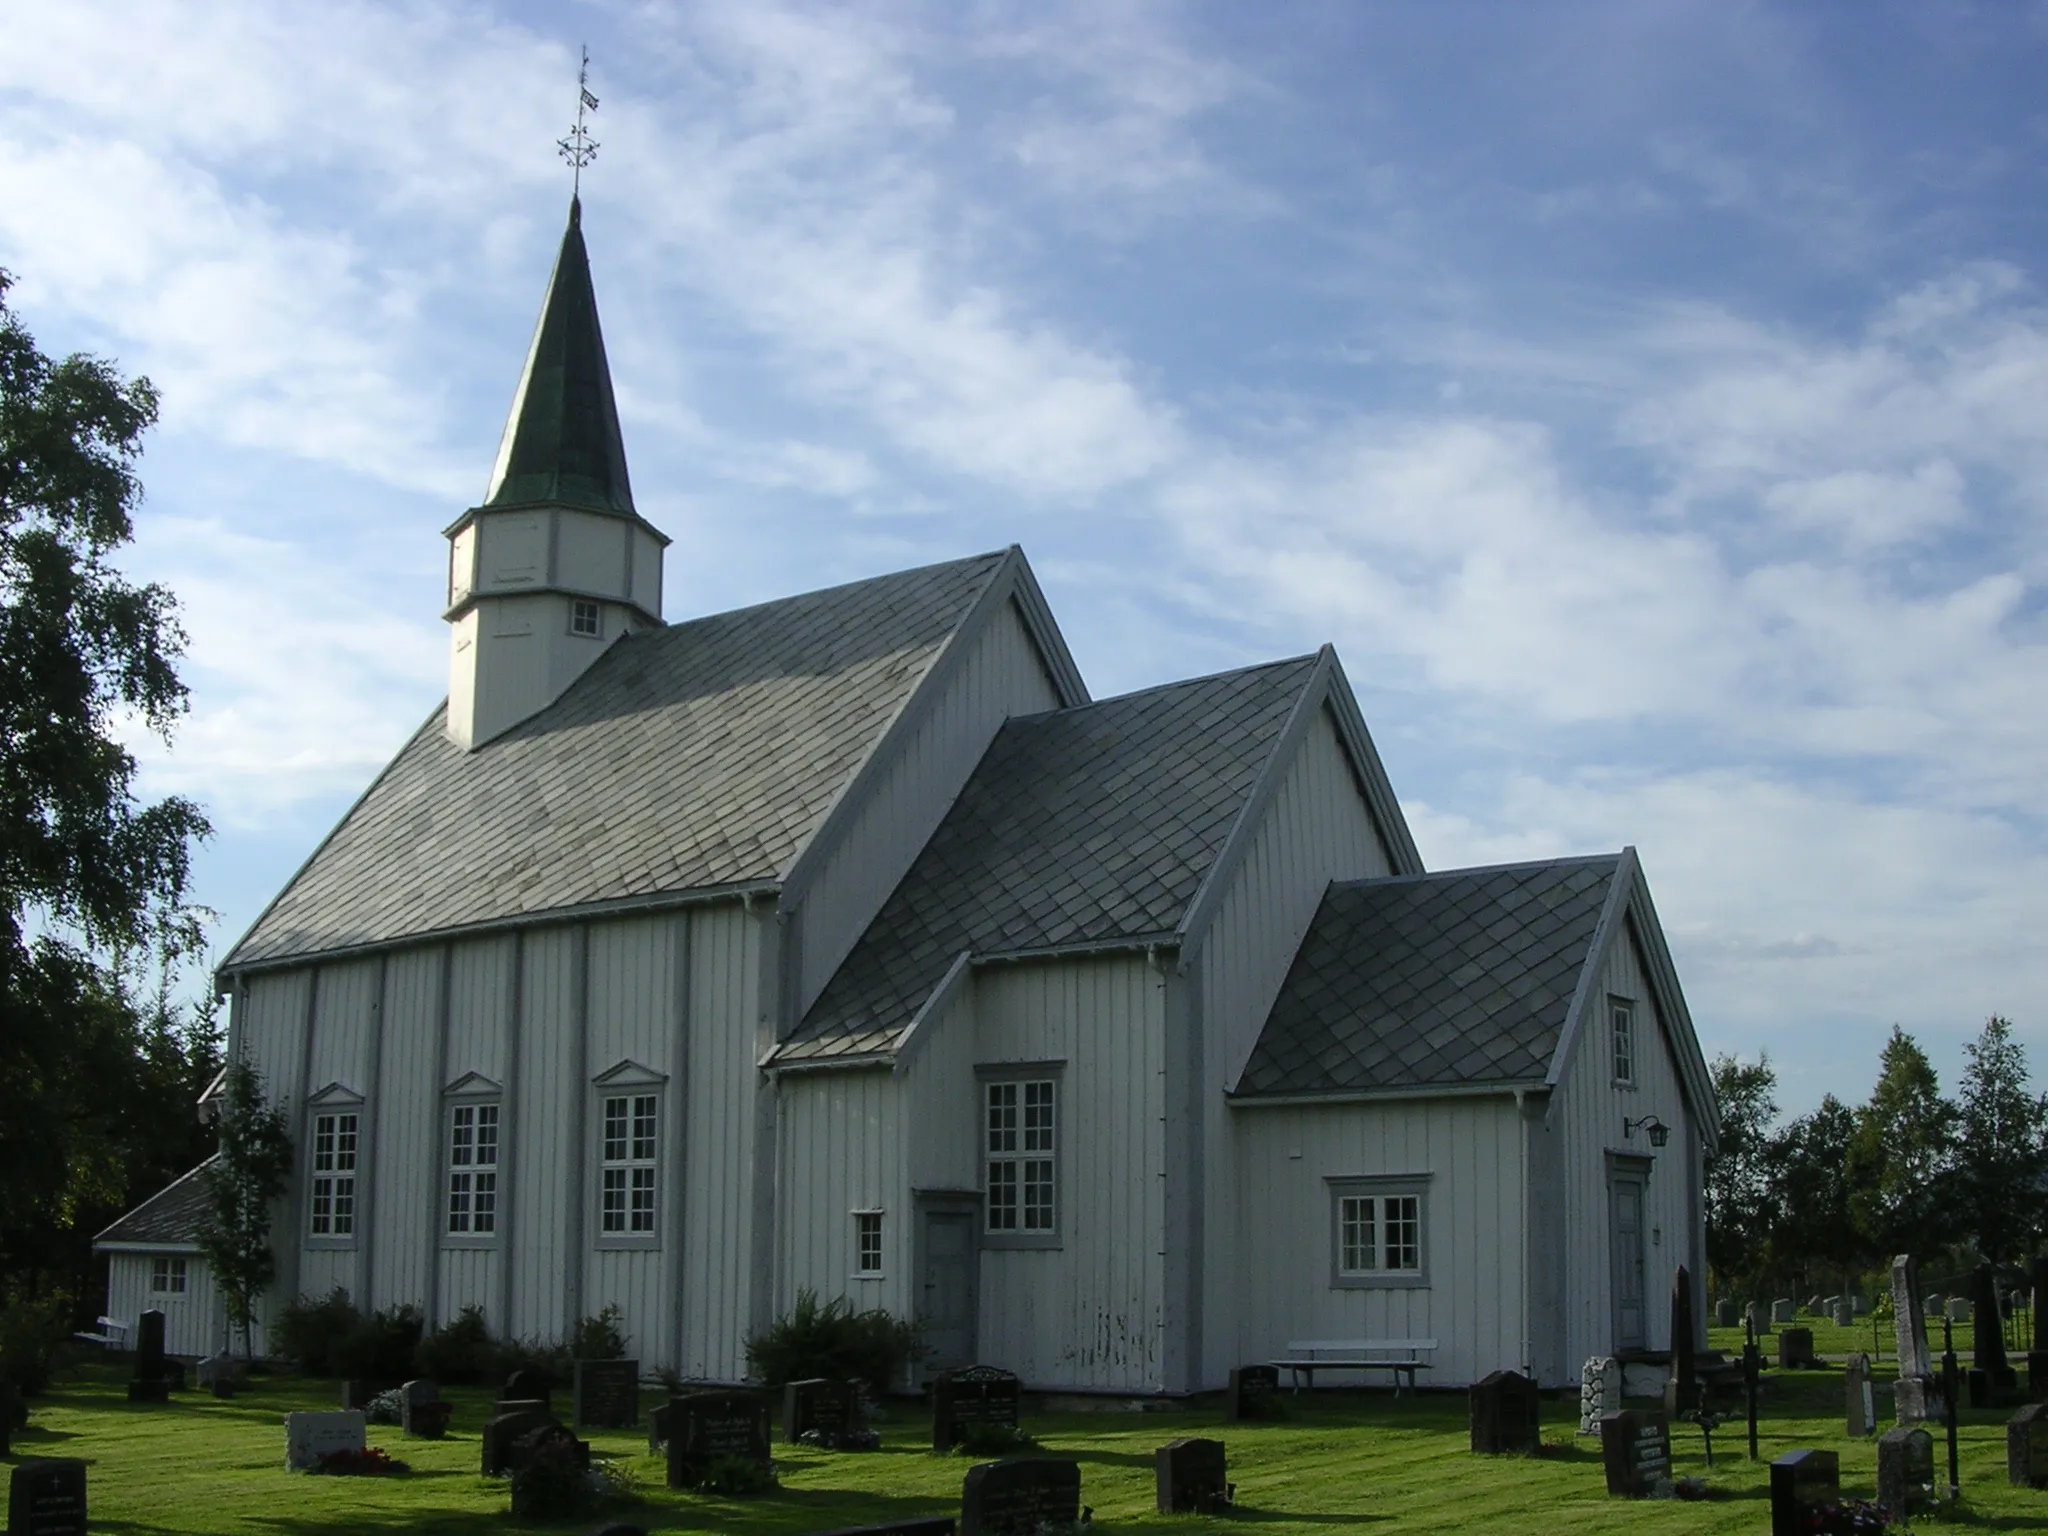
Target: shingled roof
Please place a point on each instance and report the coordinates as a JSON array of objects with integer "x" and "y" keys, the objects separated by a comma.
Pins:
[
  {"x": 1085, "y": 825},
  {"x": 171, "y": 1216},
  {"x": 698, "y": 756},
  {"x": 1461, "y": 977}
]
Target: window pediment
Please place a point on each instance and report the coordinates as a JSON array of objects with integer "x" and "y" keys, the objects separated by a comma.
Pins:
[
  {"x": 472, "y": 1085},
  {"x": 336, "y": 1094},
  {"x": 630, "y": 1074}
]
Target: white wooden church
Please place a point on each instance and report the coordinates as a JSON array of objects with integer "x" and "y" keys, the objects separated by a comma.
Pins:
[{"x": 846, "y": 943}]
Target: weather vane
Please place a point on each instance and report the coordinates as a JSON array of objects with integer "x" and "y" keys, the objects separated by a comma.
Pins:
[{"x": 579, "y": 148}]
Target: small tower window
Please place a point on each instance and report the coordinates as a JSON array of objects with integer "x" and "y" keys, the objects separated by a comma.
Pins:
[{"x": 585, "y": 618}]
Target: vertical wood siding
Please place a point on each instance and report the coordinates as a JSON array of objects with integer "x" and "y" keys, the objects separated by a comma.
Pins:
[
  {"x": 408, "y": 1131},
  {"x": 1281, "y": 1263},
  {"x": 716, "y": 1140},
  {"x": 1000, "y": 676},
  {"x": 193, "y": 1321},
  {"x": 479, "y": 1007},
  {"x": 270, "y": 1023},
  {"x": 1088, "y": 1314},
  {"x": 546, "y": 1160},
  {"x": 944, "y": 1148},
  {"x": 344, "y": 1018},
  {"x": 1586, "y": 1117},
  {"x": 843, "y": 1136},
  {"x": 468, "y": 1279},
  {"x": 1316, "y": 829}
]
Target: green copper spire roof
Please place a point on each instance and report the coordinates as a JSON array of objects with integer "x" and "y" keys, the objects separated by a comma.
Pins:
[{"x": 562, "y": 441}]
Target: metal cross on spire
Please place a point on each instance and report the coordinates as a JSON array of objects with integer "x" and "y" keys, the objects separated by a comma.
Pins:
[{"x": 579, "y": 148}]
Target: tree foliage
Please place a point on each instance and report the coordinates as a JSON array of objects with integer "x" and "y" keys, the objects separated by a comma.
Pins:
[
  {"x": 249, "y": 1173},
  {"x": 2001, "y": 1158},
  {"x": 1899, "y": 1158},
  {"x": 1738, "y": 1177}
]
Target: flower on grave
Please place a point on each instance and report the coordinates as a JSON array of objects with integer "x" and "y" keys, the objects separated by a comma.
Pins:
[{"x": 371, "y": 1461}]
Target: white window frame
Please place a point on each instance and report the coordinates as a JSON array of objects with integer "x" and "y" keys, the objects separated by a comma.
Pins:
[
  {"x": 472, "y": 1104},
  {"x": 169, "y": 1274},
  {"x": 337, "y": 1167},
  {"x": 1399, "y": 1256},
  {"x": 870, "y": 1223},
  {"x": 1622, "y": 1055},
  {"x": 577, "y": 608},
  {"x": 1010, "y": 1155},
  {"x": 632, "y": 1165}
]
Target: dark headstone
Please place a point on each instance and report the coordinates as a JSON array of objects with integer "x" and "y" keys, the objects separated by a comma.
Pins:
[
  {"x": 362, "y": 1392},
  {"x": 47, "y": 1498},
  {"x": 149, "y": 1345},
  {"x": 1988, "y": 1353},
  {"x": 657, "y": 1429},
  {"x": 1982, "y": 1392},
  {"x": 2026, "y": 1447},
  {"x": 934, "y": 1525},
  {"x": 977, "y": 1394},
  {"x": 223, "y": 1387},
  {"x": 149, "y": 1389},
  {"x": 421, "y": 1413},
  {"x": 1905, "y": 1471},
  {"x": 1254, "y": 1393},
  {"x": 1635, "y": 1448},
  {"x": 1860, "y": 1405},
  {"x": 2037, "y": 1371},
  {"x": 527, "y": 1386},
  {"x": 703, "y": 1426},
  {"x": 1725, "y": 1313},
  {"x": 502, "y": 1433},
  {"x": 1802, "y": 1482},
  {"x": 1506, "y": 1414},
  {"x": 1795, "y": 1350},
  {"x": 554, "y": 1445},
  {"x": 816, "y": 1403},
  {"x": 1017, "y": 1496},
  {"x": 607, "y": 1393},
  {"x": 1190, "y": 1477},
  {"x": 1682, "y": 1374}
]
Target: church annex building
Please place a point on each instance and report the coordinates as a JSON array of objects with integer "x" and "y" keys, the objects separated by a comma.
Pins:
[{"x": 846, "y": 943}]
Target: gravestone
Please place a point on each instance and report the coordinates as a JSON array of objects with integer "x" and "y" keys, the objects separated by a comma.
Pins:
[
  {"x": 657, "y": 1429},
  {"x": 1635, "y": 1449},
  {"x": 215, "y": 1369},
  {"x": 934, "y": 1525},
  {"x": 1802, "y": 1482},
  {"x": 502, "y": 1433},
  {"x": 1958, "y": 1309},
  {"x": 1988, "y": 1349},
  {"x": 1844, "y": 1313},
  {"x": 1795, "y": 1350},
  {"x": 1017, "y": 1496},
  {"x": 1856, "y": 1305},
  {"x": 1861, "y": 1397},
  {"x": 2026, "y": 1447},
  {"x": 46, "y": 1497},
  {"x": 1505, "y": 1414},
  {"x": 1726, "y": 1315},
  {"x": 1915, "y": 1397},
  {"x": 977, "y": 1394},
  {"x": 421, "y": 1413},
  {"x": 1937, "y": 1306},
  {"x": 1254, "y": 1393},
  {"x": 1758, "y": 1318},
  {"x": 1189, "y": 1475},
  {"x": 1905, "y": 1471},
  {"x": 309, "y": 1436},
  {"x": 607, "y": 1393},
  {"x": 703, "y": 1426},
  {"x": 1600, "y": 1383},
  {"x": 816, "y": 1403},
  {"x": 526, "y": 1386},
  {"x": 1782, "y": 1311},
  {"x": 1682, "y": 1391},
  {"x": 152, "y": 1382}
]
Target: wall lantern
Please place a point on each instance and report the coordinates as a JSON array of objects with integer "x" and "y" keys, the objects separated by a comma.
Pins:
[{"x": 1659, "y": 1131}]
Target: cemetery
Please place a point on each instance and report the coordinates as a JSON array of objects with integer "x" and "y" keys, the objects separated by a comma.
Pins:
[{"x": 1500, "y": 1456}]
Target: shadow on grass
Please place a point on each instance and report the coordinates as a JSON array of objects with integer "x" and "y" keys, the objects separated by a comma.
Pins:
[{"x": 1238, "y": 1514}]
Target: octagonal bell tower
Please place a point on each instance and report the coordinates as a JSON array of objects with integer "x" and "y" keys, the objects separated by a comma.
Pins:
[{"x": 556, "y": 564}]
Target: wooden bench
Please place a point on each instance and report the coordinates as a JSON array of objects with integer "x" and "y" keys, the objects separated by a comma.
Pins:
[
  {"x": 1402, "y": 1357},
  {"x": 113, "y": 1334}
]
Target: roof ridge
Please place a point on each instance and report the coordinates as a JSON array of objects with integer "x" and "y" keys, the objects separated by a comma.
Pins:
[
  {"x": 1068, "y": 710},
  {"x": 838, "y": 586},
  {"x": 1559, "y": 862}
]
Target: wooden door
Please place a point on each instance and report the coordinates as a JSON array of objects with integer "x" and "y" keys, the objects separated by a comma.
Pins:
[
  {"x": 949, "y": 1281},
  {"x": 1630, "y": 1304}
]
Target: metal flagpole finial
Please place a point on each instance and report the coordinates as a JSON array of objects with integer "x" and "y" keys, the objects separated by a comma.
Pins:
[{"x": 579, "y": 148}]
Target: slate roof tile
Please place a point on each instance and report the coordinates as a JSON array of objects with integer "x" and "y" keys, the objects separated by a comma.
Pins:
[
  {"x": 1433, "y": 980},
  {"x": 171, "y": 1215},
  {"x": 702, "y": 754}
]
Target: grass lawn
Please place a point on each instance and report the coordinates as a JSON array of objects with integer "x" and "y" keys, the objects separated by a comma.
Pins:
[{"x": 1340, "y": 1459}]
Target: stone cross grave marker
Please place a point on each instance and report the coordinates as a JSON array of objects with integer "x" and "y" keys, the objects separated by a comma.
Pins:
[
  {"x": 152, "y": 1383},
  {"x": 1599, "y": 1392},
  {"x": 1905, "y": 1471},
  {"x": 1860, "y": 1398},
  {"x": 1505, "y": 1414},
  {"x": 47, "y": 1498},
  {"x": 816, "y": 1403},
  {"x": 309, "y": 1436},
  {"x": 1802, "y": 1482},
  {"x": 1189, "y": 1475},
  {"x": 503, "y": 1431},
  {"x": 1254, "y": 1393},
  {"x": 2026, "y": 1447},
  {"x": 1915, "y": 1396},
  {"x": 607, "y": 1393},
  {"x": 1635, "y": 1449},
  {"x": 977, "y": 1394},
  {"x": 703, "y": 1426},
  {"x": 1017, "y": 1496}
]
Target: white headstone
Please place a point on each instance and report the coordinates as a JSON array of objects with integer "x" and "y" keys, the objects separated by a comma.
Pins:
[
  {"x": 1782, "y": 1311},
  {"x": 1599, "y": 1392},
  {"x": 309, "y": 1436},
  {"x": 1959, "y": 1309},
  {"x": 216, "y": 1368}
]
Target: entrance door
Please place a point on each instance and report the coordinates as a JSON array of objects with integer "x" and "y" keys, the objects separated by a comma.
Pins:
[
  {"x": 949, "y": 1285},
  {"x": 1626, "y": 1194}
]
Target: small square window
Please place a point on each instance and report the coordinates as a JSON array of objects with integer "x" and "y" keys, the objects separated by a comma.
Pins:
[
  {"x": 167, "y": 1276},
  {"x": 585, "y": 618},
  {"x": 1621, "y": 1017},
  {"x": 867, "y": 1243},
  {"x": 1378, "y": 1232}
]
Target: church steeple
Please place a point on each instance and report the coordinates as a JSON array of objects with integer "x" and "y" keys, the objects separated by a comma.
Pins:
[
  {"x": 562, "y": 440},
  {"x": 555, "y": 564}
]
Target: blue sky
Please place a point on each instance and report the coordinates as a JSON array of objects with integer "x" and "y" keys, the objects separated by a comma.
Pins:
[{"x": 1649, "y": 400}]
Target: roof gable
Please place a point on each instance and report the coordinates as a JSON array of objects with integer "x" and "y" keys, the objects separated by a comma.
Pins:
[
  {"x": 171, "y": 1216},
  {"x": 1454, "y": 979},
  {"x": 694, "y": 757}
]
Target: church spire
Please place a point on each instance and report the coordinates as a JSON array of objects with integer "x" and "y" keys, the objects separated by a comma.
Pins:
[{"x": 562, "y": 444}]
